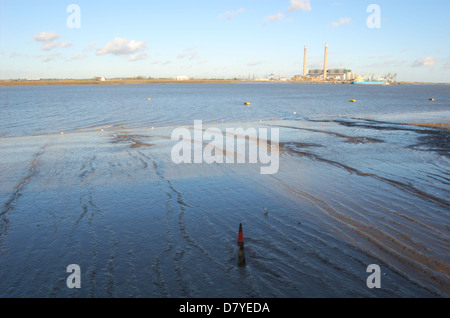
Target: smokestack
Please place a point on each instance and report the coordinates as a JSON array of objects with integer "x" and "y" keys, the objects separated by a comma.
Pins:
[
  {"x": 304, "y": 63},
  {"x": 325, "y": 63}
]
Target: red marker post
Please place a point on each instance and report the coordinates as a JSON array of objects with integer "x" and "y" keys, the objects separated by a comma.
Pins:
[{"x": 241, "y": 257}]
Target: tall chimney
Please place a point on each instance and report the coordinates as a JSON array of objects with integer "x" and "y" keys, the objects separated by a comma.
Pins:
[
  {"x": 304, "y": 63},
  {"x": 325, "y": 63}
]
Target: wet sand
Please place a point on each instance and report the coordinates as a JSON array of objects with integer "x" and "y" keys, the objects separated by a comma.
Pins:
[
  {"x": 434, "y": 125},
  {"x": 349, "y": 192}
]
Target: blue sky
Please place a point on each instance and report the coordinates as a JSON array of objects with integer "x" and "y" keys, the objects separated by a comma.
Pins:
[{"x": 222, "y": 39}]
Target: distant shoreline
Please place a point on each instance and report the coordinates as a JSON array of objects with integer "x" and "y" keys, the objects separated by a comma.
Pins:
[
  {"x": 173, "y": 81},
  {"x": 106, "y": 82}
]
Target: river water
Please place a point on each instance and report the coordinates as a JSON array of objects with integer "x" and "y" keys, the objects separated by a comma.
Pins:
[{"x": 87, "y": 177}]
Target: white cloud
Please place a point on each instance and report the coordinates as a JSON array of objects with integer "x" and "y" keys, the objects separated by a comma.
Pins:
[
  {"x": 275, "y": 17},
  {"x": 45, "y": 36},
  {"x": 428, "y": 61},
  {"x": 341, "y": 22},
  {"x": 121, "y": 47},
  {"x": 255, "y": 63},
  {"x": 48, "y": 40},
  {"x": 162, "y": 62},
  {"x": 389, "y": 63},
  {"x": 166, "y": 62},
  {"x": 50, "y": 45},
  {"x": 231, "y": 14},
  {"x": 304, "y": 5},
  {"x": 90, "y": 46},
  {"x": 51, "y": 57},
  {"x": 138, "y": 57},
  {"x": 189, "y": 53},
  {"x": 78, "y": 57}
]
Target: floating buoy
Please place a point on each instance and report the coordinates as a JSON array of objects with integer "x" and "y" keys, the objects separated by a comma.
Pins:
[
  {"x": 432, "y": 99},
  {"x": 149, "y": 98},
  {"x": 352, "y": 100},
  {"x": 295, "y": 113},
  {"x": 246, "y": 103}
]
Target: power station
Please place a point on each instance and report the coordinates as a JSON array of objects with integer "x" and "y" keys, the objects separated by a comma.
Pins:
[
  {"x": 335, "y": 74},
  {"x": 325, "y": 73}
]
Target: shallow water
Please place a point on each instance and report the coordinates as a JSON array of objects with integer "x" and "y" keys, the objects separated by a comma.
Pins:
[
  {"x": 354, "y": 188},
  {"x": 51, "y": 109}
]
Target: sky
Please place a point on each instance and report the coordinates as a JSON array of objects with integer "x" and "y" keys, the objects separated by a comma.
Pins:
[{"x": 223, "y": 38}]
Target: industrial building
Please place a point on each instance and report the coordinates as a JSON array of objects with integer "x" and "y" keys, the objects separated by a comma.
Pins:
[
  {"x": 333, "y": 74},
  {"x": 327, "y": 74},
  {"x": 339, "y": 74}
]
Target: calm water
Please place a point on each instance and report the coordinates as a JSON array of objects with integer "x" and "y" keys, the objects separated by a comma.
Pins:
[
  {"x": 49, "y": 109},
  {"x": 356, "y": 185}
]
